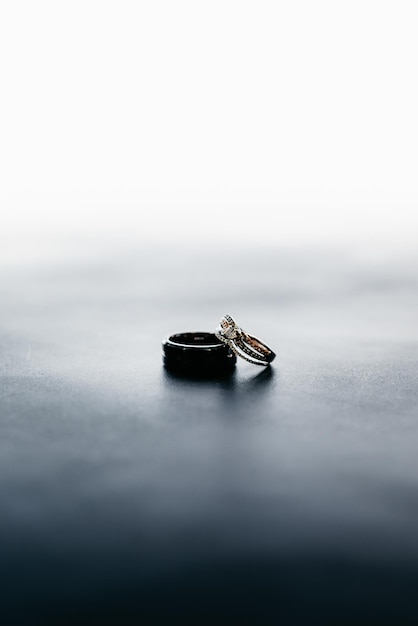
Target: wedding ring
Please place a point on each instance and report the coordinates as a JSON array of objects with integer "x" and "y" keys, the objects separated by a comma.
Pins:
[
  {"x": 198, "y": 353},
  {"x": 242, "y": 344}
]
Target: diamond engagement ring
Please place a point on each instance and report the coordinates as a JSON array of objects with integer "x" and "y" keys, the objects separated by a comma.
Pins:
[{"x": 242, "y": 344}]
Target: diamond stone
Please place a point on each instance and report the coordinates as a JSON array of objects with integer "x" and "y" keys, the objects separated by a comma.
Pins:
[{"x": 229, "y": 328}]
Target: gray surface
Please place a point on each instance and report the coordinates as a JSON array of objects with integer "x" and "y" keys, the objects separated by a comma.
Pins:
[{"x": 131, "y": 496}]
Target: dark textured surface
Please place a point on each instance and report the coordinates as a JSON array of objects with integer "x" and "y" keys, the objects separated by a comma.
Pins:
[{"x": 131, "y": 496}]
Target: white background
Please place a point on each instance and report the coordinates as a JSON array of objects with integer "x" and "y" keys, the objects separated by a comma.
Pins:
[{"x": 287, "y": 123}]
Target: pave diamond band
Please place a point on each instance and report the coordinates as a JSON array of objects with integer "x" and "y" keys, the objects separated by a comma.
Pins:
[{"x": 242, "y": 344}]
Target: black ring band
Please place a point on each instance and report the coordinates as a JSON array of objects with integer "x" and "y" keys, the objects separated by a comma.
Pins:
[{"x": 199, "y": 352}]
